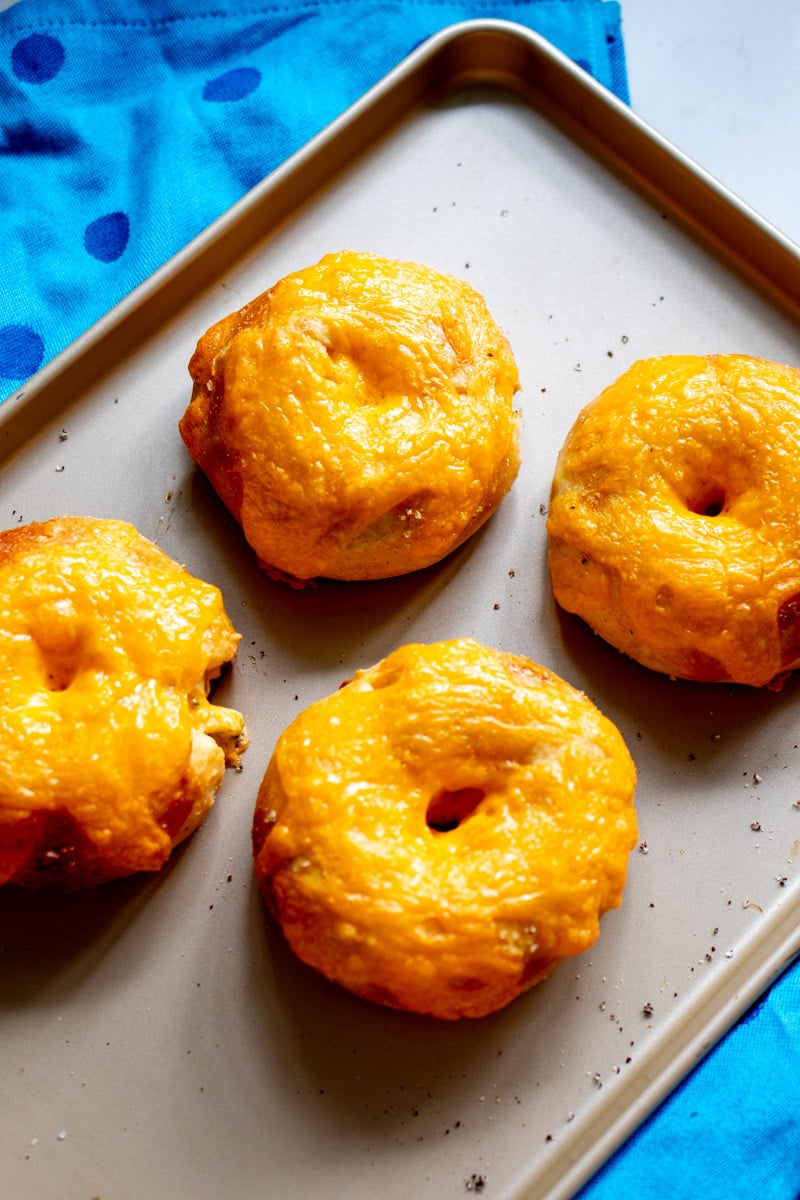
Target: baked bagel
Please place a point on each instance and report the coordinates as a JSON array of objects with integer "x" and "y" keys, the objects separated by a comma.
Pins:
[
  {"x": 356, "y": 418},
  {"x": 112, "y": 753},
  {"x": 436, "y": 835},
  {"x": 673, "y": 527}
]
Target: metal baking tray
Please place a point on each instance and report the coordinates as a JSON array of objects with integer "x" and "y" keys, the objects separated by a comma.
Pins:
[{"x": 158, "y": 1037}]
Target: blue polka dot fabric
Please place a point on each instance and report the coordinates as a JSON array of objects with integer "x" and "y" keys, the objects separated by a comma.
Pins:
[
  {"x": 37, "y": 58},
  {"x": 127, "y": 126}
]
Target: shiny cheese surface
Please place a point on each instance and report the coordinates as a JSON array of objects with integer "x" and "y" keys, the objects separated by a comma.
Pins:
[
  {"x": 445, "y": 828},
  {"x": 111, "y": 751},
  {"x": 673, "y": 527},
  {"x": 357, "y": 418}
]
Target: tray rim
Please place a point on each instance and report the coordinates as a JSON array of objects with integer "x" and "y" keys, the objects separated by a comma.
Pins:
[
  {"x": 467, "y": 52},
  {"x": 660, "y": 1070}
]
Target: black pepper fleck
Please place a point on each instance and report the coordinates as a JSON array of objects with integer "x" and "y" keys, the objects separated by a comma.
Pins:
[{"x": 476, "y": 1183}]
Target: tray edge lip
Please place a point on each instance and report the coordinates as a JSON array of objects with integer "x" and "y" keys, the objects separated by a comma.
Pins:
[{"x": 711, "y": 1015}]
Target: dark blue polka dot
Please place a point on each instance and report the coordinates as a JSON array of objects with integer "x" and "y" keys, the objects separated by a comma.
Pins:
[
  {"x": 233, "y": 85},
  {"x": 21, "y": 351},
  {"x": 107, "y": 237},
  {"x": 37, "y": 58}
]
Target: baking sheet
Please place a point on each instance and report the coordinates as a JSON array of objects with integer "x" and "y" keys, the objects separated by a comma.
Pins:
[{"x": 158, "y": 1037}]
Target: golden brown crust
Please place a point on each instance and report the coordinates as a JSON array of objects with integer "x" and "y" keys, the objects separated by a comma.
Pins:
[
  {"x": 440, "y": 832},
  {"x": 673, "y": 517},
  {"x": 356, "y": 418},
  {"x": 111, "y": 752}
]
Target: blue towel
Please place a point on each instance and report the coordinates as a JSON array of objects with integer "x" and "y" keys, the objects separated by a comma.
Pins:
[
  {"x": 127, "y": 126},
  {"x": 731, "y": 1130}
]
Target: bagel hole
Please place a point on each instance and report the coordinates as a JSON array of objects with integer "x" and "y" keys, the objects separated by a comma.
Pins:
[
  {"x": 447, "y": 809},
  {"x": 60, "y": 675},
  {"x": 709, "y": 503},
  {"x": 58, "y": 641}
]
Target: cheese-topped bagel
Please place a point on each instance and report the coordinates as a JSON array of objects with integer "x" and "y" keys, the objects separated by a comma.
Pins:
[
  {"x": 440, "y": 832},
  {"x": 672, "y": 523},
  {"x": 356, "y": 418},
  {"x": 111, "y": 751}
]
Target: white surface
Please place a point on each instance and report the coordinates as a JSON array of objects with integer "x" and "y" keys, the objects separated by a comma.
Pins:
[{"x": 721, "y": 79}]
